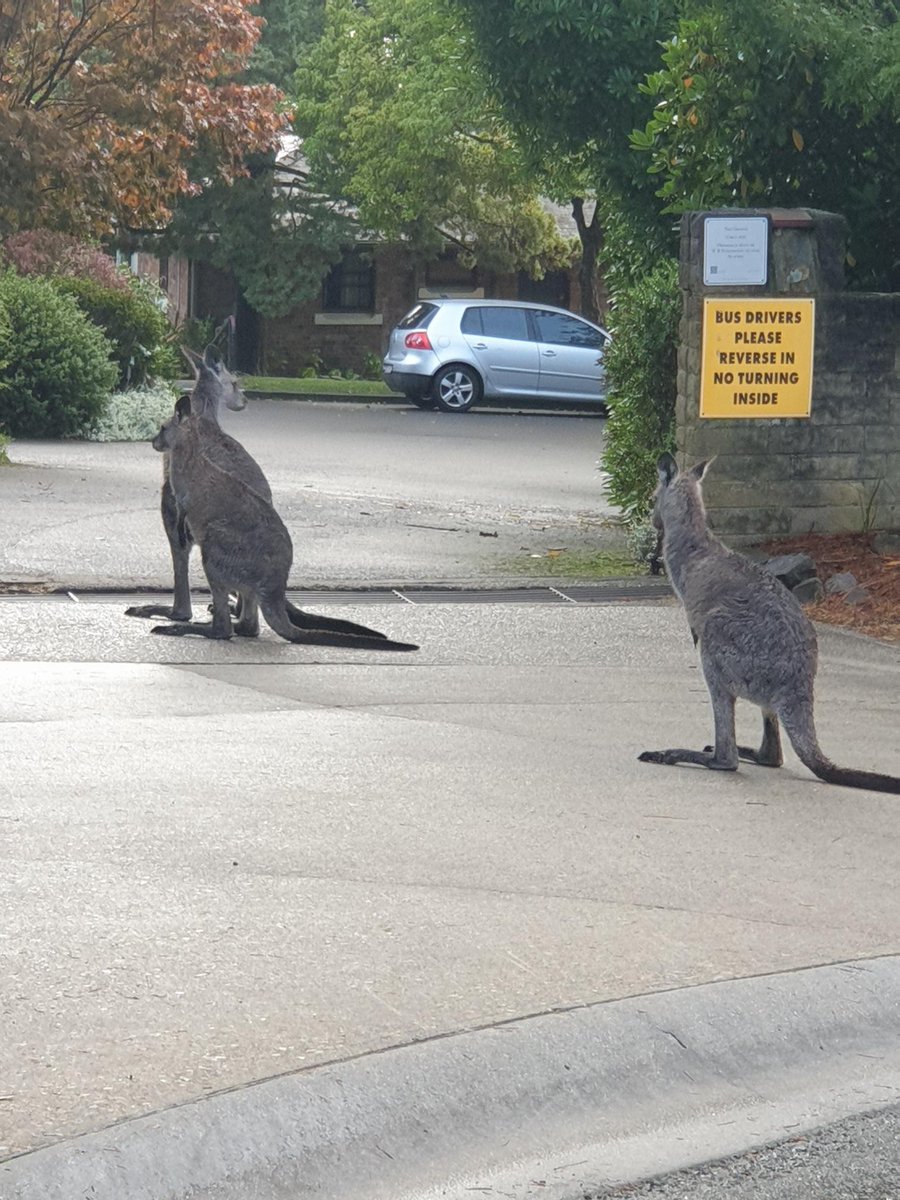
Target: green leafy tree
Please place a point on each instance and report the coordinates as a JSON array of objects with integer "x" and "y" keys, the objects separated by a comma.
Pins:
[
  {"x": 395, "y": 117},
  {"x": 270, "y": 229},
  {"x": 785, "y": 102},
  {"x": 291, "y": 29},
  {"x": 567, "y": 75}
]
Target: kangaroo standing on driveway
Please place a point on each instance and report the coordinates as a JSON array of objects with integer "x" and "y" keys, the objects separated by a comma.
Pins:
[
  {"x": 755, "y": 641},
  {"x": 215, "y": 385},
  {"x": 244, "y": 544}
]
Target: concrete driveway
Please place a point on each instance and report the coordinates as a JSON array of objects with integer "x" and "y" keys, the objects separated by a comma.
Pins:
[
  {"x": 372, "y": 495},
  {"x": 341, "y": 923}
]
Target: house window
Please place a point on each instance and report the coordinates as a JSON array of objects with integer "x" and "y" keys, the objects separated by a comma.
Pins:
[{"x": 350, "y": 284}]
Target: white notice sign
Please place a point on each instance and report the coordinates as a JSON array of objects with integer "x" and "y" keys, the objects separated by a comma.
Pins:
[{"x": 735, "y": 251}]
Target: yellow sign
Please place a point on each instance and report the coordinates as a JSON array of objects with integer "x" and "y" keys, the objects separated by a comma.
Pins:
[{"x": 757, "y": 358}]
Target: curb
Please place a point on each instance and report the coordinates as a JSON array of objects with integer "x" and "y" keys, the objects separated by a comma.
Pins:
[{"x": 546, "y": 1105}]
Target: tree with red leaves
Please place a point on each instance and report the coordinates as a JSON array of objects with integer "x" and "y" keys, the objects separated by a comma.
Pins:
[{"x": 111, "y": 110}]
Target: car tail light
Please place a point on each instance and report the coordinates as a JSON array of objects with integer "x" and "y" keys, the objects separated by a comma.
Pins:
[{"x": 417, "y": 341}]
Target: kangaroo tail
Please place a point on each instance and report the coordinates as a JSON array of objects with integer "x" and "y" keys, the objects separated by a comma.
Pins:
[
  {"x": 313, "y": 621},
  {"x": 277, "y": 616},
  {"x": 800, "y": 727}
]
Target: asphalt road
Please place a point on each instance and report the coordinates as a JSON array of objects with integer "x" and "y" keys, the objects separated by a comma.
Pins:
[
  {"x": 372, "y": 495},
  {"x": 854, "y": 1159}
]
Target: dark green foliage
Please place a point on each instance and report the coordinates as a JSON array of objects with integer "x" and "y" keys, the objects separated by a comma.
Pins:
[
  {"x": 785, "y": 102},
  {"x": 197, "y": 333},
  {"x": 641, "y": 369},
  {"x": 267, "y": 228},
  {"x": 55, "y": 368},
  {"x": 291, "y": 27},
  {"x": 137, "y": 328}
]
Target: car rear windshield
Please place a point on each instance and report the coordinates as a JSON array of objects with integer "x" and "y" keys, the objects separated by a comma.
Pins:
[{"x": 418, "y": 317}]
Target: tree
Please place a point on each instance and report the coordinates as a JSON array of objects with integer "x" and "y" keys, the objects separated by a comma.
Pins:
[
  {"x": 270, "y": 229},
  {"x": 395, "y": 117},
  {"x": 785, "y": 102},
  {"x": 110, "y": 110},
  {"x": 291, "y": 28},
  {"x": 566, "y": 74}
]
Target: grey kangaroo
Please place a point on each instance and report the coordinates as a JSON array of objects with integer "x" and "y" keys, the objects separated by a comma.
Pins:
[
  {"x": 755, "y": 641},
  {"x": 245, "y": 546},
  {"x": 215, "y": 385}
]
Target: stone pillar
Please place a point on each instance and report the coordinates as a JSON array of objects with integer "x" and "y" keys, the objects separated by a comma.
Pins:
[{"x": 781, "y": 477}]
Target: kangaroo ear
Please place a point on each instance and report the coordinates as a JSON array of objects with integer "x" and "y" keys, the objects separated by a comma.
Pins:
[
  {"x": 667, "y": 468},
  {"x": 699, "y": 470},
  {"x": 183, "y": 408}
]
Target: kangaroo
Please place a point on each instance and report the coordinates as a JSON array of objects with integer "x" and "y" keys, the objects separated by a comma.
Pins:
[
  {"x": 214, "y": 384},
  {"x": 245, "y": 546},
  {"x": 755, "y": 641}
]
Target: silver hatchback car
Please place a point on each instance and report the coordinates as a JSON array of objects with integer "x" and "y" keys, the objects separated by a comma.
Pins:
[{"x": 449, "y": 354}]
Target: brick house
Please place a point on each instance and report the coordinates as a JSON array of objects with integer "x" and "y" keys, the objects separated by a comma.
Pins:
[{"x": 362, "y": 297}]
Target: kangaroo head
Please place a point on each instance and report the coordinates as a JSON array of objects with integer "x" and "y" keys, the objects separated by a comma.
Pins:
[
  {"x": 169, "y": 432},
  {"x": 215, "y": 383},
  {"x": 678, "y": 498}
]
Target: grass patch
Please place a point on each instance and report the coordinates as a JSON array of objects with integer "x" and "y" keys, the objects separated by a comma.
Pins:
[
  {"x": 579, "y": 564},
  {"x": 315, "y": 387}
]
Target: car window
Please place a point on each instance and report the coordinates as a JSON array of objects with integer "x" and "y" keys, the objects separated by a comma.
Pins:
[
  {"x": 418, "y": 317},
  {"x": 508, "y": 323},
  {"x": 561, "y": 329}
]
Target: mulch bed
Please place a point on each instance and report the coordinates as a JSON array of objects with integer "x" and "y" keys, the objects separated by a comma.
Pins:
[{"x": 879, "y": 616}]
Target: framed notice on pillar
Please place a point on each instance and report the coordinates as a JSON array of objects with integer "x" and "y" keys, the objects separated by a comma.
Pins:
[
  {"x": 735, "y": 251},
  {"x": 757, "y": 358}
]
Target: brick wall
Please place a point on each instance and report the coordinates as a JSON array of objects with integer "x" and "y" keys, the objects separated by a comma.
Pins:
[
  {"x": 821, "y": 473},
  {"x": 294, "y": 342}
]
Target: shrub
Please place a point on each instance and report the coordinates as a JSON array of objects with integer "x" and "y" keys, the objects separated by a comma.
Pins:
[
  {"x": 134, "y": 416},
  {"x": 137, "y": 328},
  {"x": 4, "y": 445},
  {"x": 44, "y": 252},
  {"x": 196, "y": 333},
  {"x": 641, "y": 374},
  {"x": 55, "y": 369}
]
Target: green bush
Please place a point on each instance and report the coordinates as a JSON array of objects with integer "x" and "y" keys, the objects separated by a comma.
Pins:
[
  {"x": 55, "y": 369},
  {"x": 138, "y": 329},
  {"x": 134, "y": 416},
  {"x": 196, "y": 333},
  {"x": 641, "y": 373},
  {"x": 4, "y": 445}
]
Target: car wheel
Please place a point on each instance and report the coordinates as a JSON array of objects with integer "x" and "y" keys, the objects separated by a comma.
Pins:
[{"x": 456, "y": 388}]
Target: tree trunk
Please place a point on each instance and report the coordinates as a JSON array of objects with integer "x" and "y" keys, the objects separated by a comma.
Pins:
[{"x": 591, "y": 237}]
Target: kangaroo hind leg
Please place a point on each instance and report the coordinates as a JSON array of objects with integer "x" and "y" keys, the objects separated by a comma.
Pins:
[
  {"x": 220, "y": 626},
  {"x": 769, "y": 753},
  {"x": 724, "y": 755},
  {"x": 247, "y": 613}
]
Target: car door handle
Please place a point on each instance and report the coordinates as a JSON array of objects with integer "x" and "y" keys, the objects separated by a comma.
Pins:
[
  {"x": 549, "y": 354},
  {"x": 480, "y": 346}
]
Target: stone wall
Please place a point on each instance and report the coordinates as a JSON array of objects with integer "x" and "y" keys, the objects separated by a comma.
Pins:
[{"x": 837, "y": 470}]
